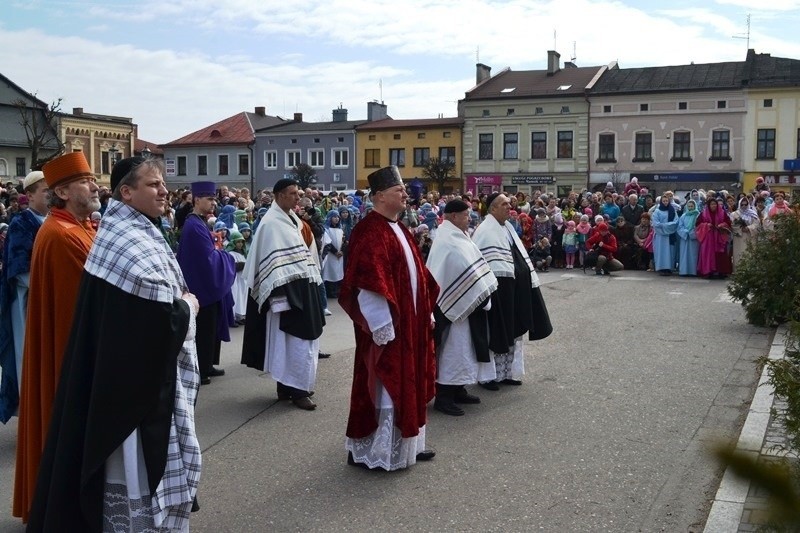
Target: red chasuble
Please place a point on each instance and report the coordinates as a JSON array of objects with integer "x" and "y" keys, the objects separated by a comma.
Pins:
[{"x": 405, "y": 366}]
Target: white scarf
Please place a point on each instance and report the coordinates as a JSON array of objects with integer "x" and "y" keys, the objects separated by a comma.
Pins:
[
  {"x": 279, "y": 255},
  {"x": 463, "y": 274},
  {"x": 494, "y": 241}
]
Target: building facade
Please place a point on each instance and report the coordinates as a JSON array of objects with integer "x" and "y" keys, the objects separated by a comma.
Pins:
[
  {"x": 409, "y": 144},
  {"x": 16, "y": 154},
  {"x": 528, "y": 130},
  {"x": 222, "y": 152}
]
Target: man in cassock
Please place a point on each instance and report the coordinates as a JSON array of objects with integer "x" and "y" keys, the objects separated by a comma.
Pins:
[
  {"x": 284, "y": 313},
  {"x": 390, "y": 296},
  {"x": 461, "y": 336},
  {"x": 209, "y": 273},
  {"x": 14, "y": 286},
  {"x": 59, "y": 252},
  {"x": 517, "y": 305},
  {"x": 122, "y": 453}
]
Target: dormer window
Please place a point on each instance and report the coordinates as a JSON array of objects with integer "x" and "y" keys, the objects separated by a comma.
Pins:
[
  {"x": 508, "y": 90},
  {"x": 215, "y": 133},
  {"x": 563, "y": 87}
]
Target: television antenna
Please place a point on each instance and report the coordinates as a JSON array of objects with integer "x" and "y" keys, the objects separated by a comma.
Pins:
[{"x": 746, "y": 35}]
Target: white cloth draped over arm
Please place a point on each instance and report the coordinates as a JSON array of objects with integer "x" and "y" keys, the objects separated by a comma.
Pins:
[{"x": 375, "y": 310}]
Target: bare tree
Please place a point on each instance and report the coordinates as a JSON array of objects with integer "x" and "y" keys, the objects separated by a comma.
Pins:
[
  {"x": 439, "y": 170},
  {"x": 40, "y": 125},
  {"x": 304, "y": 175}
]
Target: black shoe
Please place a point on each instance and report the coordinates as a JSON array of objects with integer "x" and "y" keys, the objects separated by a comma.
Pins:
[
  {"x": 305, "y": 403},
  {"x": 323, "y": 355},
  {"x": 490, "y": 385},
  {"x": 352, "y": 462},
  {"x": 511, "y": 382},
  {"x": 205, "y": 380},
  {"x": 195, "y": 505},
  {"x": 448, "y": 408},
  {"x": 426, "y": 455},
  {"x": 216, "y": 372},
  {"x": 462, "y": 396}
]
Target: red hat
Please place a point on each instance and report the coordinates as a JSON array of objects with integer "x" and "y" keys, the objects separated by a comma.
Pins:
[
  {"x": 602, "y": 226},
  {"x": 69, "y": 167}
]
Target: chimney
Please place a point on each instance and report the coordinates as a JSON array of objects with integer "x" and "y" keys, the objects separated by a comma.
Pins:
[
  {"x": 376, "y": 111},
  {"x": 553, "y": 62},
  {"x": 77, "y": 111},
  {"x": 483, "y": 72},
  {"x": 261, "y": 111},
  {"x": 340, "y": 115},
  {"x": 298, "y": 117}
]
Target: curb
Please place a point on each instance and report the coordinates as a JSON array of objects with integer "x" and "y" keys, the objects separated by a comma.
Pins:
[{"x": 728, "y": 505}]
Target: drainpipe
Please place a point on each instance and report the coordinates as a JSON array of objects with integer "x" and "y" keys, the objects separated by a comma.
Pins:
[
  {"x": 251, "y": 146},
  {"x": 589, "y": 134}
]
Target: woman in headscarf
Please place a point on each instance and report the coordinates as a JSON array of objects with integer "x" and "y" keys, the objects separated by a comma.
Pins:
[
  {"x": 237, "y": 247},
  {"x": 346, "y": 223},
  {"x": 526, "y": 224},
  {"x": 332, "y": 254},
  {"x": 226, "y": 215},
  {"x": 741, "y": 220},
  {"x": 664, "y": 220},
  {"x": 687, "y": 266},
  {"x": 643, "y": 237},
  {"x": 779, "y": 206},
  {"x": 713, "y": 232}
]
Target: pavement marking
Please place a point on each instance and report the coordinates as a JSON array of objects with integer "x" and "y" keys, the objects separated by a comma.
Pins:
[{"x": 675, "y": 293}]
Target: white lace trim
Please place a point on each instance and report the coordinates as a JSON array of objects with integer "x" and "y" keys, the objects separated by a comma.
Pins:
[
  {"x": 383, "y": 335},
  {"x": 386, "y": 448}
]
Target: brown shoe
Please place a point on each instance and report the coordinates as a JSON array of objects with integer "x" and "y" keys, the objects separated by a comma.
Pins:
[{"x": 304, "y": 403}]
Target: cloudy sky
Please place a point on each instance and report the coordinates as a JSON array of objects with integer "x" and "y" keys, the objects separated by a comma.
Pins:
[{"x": 177, "y": 66}]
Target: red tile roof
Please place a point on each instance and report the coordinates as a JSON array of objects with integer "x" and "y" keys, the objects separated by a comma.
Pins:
[
  {"x": 139, "y": 144},
  {"x": 232, "y": 130}
]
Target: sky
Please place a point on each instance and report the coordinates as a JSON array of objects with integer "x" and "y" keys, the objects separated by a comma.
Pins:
[{"x": 177, "y": 66}]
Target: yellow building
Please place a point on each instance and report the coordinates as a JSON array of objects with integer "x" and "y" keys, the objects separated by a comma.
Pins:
[
  {"x": 409, "y": 144},
  {"x": 772, "y": 122},
  {"x": 103, "y": 139}
]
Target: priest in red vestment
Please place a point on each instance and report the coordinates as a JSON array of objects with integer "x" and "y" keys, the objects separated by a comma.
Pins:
[{"x": 390, "y": 295}]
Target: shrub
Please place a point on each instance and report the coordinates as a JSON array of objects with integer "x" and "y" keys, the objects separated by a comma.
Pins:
[{"x": 767, "y": 277}]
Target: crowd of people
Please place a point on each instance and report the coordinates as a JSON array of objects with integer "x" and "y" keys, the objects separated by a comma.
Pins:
[{"x": 441, "y": 290}]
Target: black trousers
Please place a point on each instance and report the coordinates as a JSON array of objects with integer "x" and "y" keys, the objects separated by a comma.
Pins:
[{"x": 208, "y": 344}]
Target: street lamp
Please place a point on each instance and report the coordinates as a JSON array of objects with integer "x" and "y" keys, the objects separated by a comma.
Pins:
[{"x": 146, "y": 151}]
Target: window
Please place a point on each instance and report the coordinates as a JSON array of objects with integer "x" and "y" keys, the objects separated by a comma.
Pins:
[
  {"x": 244, "y": 164},
  {"x": 420, "y": 135},
  {"x": 372, "y": 157},
  {"x": 681, "y": 146},
  {"x": 564, "y": 149},
  {"x": 341, "y": 157},
  {"x": 396, "y": 136},
  {"x": 222, "y": 164},
  {"x": 447, "y": 153},
  {"x": 564, "y": 109},
  {"x": 446, "y": 134},
  {"x": 644, "y": 107},
  {"x": 765, "y": 147},
  {"x": 270, "y": 159},
  {"x": 722, "y": 104},
  {"x": 105, "y": 162},
  {"x": 644, "y": 147},
  {"x": 293, "y": 141},
  {"x": 539, "y": 145},
  {"x": 421, "y": 156},
  {"x": 606, "y": 109},
  {"x": 721, "y": 145},
  {"x": 202, "y": 165},
  {"x": 181, "y": 165},
  {"x": 682, "y": 106},
  {"x": 292, "y": 158},
  {"x": 606, "y": 148},
  {"x": 397, "y": 156},
  {"x": 509, "y": 112},
  {"x": 485, "y": 113},
  {"x": 539, "y": 111},
  {"x": 510, "y": 146},
  {"x": 340, "y": 139},
  {"x": 316, "y": 158},
  {"x": 21, "y": 167},
  {"x": 485, "y": 146},
  {"x": 371, "y": 137},
  {"x": 316, "y": 140},
  {"x": 767, "y": 102}
]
